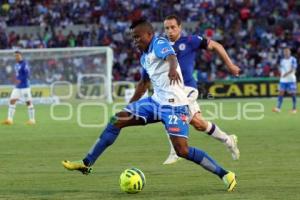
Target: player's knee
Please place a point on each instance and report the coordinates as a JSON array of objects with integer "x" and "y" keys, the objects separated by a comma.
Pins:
[
  {"x": 182, "y": 151},
  {"x": 121, "y": 119},
  {"x": 200, "y": 125}
]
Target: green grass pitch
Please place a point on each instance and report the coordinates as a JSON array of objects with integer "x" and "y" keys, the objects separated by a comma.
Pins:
[{"x": 30, "y": 158}]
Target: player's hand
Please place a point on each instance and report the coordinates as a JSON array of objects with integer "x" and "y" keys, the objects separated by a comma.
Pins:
[
  {"x": 174, "y": 76},
  {"x": 234, "y": 70}
]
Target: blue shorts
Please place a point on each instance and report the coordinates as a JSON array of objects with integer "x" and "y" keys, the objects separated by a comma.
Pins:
[
  {"x": 290, "y": 87},
  {"x": 175, "y": 118}
]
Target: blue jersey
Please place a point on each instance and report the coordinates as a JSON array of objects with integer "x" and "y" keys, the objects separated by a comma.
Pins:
[
  {"x": 22, "y": 74},
  {"x": 186, "y": 48}
]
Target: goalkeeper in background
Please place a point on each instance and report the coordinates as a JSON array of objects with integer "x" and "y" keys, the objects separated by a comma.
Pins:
[{"x": 21, "y": 91}]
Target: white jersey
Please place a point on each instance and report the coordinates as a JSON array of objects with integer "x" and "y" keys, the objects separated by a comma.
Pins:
[
  {"x": 287, "y": 64},
  {"x": 156, "y": 68}
]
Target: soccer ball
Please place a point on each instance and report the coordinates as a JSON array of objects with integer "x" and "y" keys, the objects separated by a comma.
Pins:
[{"x": 132, "y": 180}]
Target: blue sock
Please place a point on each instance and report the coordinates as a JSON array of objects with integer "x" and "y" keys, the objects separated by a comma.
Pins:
[
  {"x": 201, "y": 158},
  {"x": 279, "y": 102},
  {"x": 294, "y": 101},
  {"x": 108, "y": 136}
]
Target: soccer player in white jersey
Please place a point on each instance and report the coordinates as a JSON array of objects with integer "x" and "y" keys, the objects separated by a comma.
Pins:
[
  {"x": 21, "y": 91},
  {"x": 186, "y": 48},
  {"x": 288, "y": 82},
  {"x": 168, "y": 104}
]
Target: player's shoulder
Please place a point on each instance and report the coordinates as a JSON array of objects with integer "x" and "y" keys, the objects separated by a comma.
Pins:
[
  {"x": 190, "y": 38},
  {"x": 160, "y": 40}
]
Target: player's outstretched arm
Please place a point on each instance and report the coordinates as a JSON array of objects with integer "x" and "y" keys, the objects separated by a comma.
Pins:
[
  {"x": 217, "y": 47},
  {"x": 142, "y": 86}
]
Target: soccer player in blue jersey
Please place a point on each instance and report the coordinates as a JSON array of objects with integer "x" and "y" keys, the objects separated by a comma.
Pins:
[
  {"x": 168, "y": 104},
  {"x": 186, "y": 48},
  {"x": 21, "y": 91},
  {"x": 288, "y": 82}
]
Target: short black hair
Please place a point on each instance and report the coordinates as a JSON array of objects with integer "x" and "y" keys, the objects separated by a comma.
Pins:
[
  {"x": 18, "y": 52},
  {"x": 178, "y": 20},
  {"x": 142, "y": 22}
]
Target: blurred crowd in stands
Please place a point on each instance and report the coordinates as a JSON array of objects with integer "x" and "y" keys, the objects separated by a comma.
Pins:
[{"x": 252, "y": 31}]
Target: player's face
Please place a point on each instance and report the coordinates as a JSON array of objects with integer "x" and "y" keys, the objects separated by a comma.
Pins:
[
  {"x": 172, "y": 29},
  {"x": 18, "y": 57},
  {"x": 141, "y": 38},
  {"x": 287, "y": 52}
]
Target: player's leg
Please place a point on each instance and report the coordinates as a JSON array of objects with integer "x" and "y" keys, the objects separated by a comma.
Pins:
[
  {"x": 26, "y": 95},
  {"x": 134, "y": 114},
  {"x": 192, "y": 95},
  {"x": 107, "y": 138},
  {"x": 200, "y": 124},
  {"x": 282, "y": 89},
  {"x": 230, "y": 141},
  {"x": 293, "y": 92},
  {"x": 175, "y": 121},
  {"x": 172, "y": 157},
  {"x": 204, "y": 160},
  {"x": 15, "y": 95},
  {"x": 31, "y": 113},
  {"x": 294, "y": 100},
  {"x": 110, "y": 134}
]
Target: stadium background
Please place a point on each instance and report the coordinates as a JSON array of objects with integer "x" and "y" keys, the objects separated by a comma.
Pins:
[{"x": 252, "y": 31}]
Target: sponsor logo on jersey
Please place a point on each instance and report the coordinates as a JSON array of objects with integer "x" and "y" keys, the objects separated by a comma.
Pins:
[
  {"x": 174, "y": 129},
  {"x": 171, "y": 100},
  {"x": 182, "y": 47},
  {"x": 160, "y": 41},
  {"x": 165, "y": 50},
  {"x": 183, "y": 118}
]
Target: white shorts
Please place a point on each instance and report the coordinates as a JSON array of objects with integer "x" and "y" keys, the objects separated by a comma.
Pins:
[
  {"x": 21, "y": 93},
  {"x": 192, "y": 95}
]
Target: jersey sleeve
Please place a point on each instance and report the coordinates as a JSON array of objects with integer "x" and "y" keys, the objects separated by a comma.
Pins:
[
  {"x": 198, "y": 42},
  {"x": 163, "y": 49}
]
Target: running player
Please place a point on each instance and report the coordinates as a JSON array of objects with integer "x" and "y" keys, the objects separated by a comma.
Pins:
[{"x": 167, "y": 104}]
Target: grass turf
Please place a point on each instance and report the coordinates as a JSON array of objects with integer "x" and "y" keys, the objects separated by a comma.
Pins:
[{"x": 30, "y": 157}]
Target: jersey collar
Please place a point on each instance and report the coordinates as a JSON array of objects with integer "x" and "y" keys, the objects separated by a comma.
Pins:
[{"x": 150, "y": 47}]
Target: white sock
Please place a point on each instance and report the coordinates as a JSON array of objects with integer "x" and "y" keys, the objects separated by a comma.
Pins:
[
  {"x": 31, "y": 112},
  {"x": 214, "y": 131},
  {"x": 11, "y": 112},
  {"x": 172, "y": 150}
]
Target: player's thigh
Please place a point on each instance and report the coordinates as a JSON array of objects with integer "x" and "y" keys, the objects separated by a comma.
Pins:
[
  {"x": 282, "y": 87},
  {"x": 192, "y": 96},
  {"x": 194, "y": 109},
  {"x": 145, "y": 109},
  {"x": 198, "y": 122},
  {"x": 15, "y": 94},
  {"x": 125, "y": 119},
  {"x": 175, "y": 120},
  {"x": 26, "y": 94}
]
